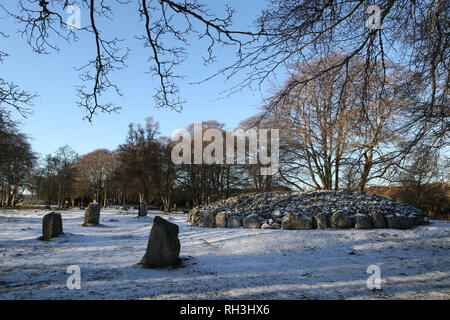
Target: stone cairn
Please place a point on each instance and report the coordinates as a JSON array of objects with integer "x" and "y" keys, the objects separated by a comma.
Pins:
[
  {"x": 163, "y": 248},
  {"x": 307, "y": 210},
  {"x": 51, "y": 226},
  {"x": 92, "y": 214}
]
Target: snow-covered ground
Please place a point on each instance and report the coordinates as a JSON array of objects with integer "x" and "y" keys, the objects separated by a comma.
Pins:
[{"x": 219, "y": 263}]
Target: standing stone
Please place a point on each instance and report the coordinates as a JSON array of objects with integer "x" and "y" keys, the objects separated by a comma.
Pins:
[
  {"x": 143, "y": 209},
  {"x": 51, "y": 226},
  {"x": 378, "y": 219},
  {"x": 208, "y": 220},
  {"x": 252, "y": 222},
  {"x": 392, "y": 222},
  {"x": 363, "y": 222},
  {"x": 296, "y": 222},
  {"x": 197, "y": 218},
  {"x": 415, "y": 221},
  {"x": 321, "y": 221},
  {"x": 404, "y": 222},
  {"x": 221, "y": 220},
  {"x": 340, "y": 220},
  {"x": 92, "y": 214},
  {"x": 234, "y": 222},
  {"x": 163, "y": 248}
]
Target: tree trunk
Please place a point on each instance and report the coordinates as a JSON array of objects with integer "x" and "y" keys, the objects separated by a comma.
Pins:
[{"x": 105, "y": 202}]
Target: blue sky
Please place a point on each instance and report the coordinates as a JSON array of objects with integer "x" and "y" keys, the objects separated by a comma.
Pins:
[{"x": 57, "y": 120}]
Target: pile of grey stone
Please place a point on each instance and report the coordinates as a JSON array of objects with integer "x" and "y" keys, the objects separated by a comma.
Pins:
[{"x": 307, "y": 210}]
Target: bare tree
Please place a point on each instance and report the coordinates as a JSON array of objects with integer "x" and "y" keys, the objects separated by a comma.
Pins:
[
  {"x": 16, "y": 163},
  {"x": 380, "y": 135},
  {"x": 92, "y": 170},
  {"x": 139, "y": 159},
  {"x": 410, "y": 33},
  {"x": 288, "y": 32},
  {"x": 317, "y": 120},
  {"x": 325, "y": 135},
  {"x": 164, "y": 22},
  {"x": 420, "y": 171}
]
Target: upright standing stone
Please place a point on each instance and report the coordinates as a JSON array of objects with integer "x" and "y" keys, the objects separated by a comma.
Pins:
[
  {"x": 207, "y": 220},
  {"x": 363, "y": 222},
  {"x": 143, "y": 209},
  {"x": 293, "y": 221},
  {"x": 404, "y": 222},
  {"x": 221, "y": 220},
  {"x": 340, "y": 220},
  {"x": 392, "y": 221},
  {"x": 321, "y": 221},
  {"x": 234, "y": 222},
  {"x": 378, "y": 219},
  {"x": 252, "y": 222},
  {"x": 92, "y": 214},
  {"x": 163, "y": 247},
  {"x": 51, "y": 226}
]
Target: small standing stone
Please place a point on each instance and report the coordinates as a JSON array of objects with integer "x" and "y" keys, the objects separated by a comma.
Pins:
[
  {"x": 51, "y": 226},
  {"x": 92, "y": 214},
  {"x": 252, "y": 222},
  {"x": 296, "y": 222},
  {"x": 163, "y": 248},
  {"x": 221, "y": 220},
  {"x": 378, "y": 219},
  {"x": 393, "y": 222},
  {"x": 143, "y": 209},
  {"x": 208, "y": 220},
  {"x": 404, "y": 222},
  {"x": 363, "y": 222},
  {"x": 340, "y": 220},
  {"x": 321, "y": 221},
  {"x": 234, "y": 222}
]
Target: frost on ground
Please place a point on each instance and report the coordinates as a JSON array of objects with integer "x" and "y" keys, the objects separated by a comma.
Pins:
[{"x": 219, "y": 263}]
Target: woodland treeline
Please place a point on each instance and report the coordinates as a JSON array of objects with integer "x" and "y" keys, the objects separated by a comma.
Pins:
[{"x": 326, "y": 143}]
